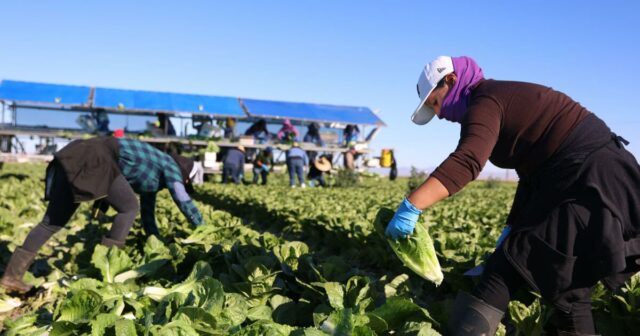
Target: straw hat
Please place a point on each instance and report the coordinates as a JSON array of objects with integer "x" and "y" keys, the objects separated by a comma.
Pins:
[
  {"x": 241, "y": 148},
  {"x": 322, "y": 164}
]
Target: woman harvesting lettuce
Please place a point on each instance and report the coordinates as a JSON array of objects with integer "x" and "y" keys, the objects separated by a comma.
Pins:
[{"x": 575, "y": 219}]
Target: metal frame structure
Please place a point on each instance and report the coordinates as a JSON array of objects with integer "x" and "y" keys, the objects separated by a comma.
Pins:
[{"x": 15, "y": 95}]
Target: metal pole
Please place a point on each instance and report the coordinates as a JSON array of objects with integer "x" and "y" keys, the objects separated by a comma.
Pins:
[{"x": 15, "y": 115}]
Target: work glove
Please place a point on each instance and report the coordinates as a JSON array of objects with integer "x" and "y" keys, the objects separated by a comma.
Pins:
[
  {"x": 478, "y": 270},
  {"x": 404, "y": 220}
]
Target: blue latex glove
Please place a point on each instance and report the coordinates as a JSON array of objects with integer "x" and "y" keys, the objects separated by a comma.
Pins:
[{"x": 403, "y": 221}]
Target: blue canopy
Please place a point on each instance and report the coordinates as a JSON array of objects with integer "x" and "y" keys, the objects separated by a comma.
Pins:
[
  {"x": 167, "y": 102},
  {"x": 54, "y": 96},
  {"x": 44, "y": 94},
  {"x": 25, "y": 94},
  {"x": 310, "y": 112}
]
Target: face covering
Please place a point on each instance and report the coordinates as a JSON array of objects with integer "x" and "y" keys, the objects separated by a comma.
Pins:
[{"x": 454, "y": 106}]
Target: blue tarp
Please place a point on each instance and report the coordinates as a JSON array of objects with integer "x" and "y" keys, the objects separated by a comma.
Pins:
[
  {"x": 167, "y": 102},
  {"x": 39, "y": 93},
  {"x": 310, "y": 112},
  {"x": 29, "y": 94}
]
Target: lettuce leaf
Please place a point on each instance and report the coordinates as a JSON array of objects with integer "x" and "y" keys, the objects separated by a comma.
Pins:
[{"x": 416, "y": 252}]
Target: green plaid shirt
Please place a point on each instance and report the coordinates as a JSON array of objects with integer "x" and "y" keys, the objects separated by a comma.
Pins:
[{"x": 149, "y": 170}]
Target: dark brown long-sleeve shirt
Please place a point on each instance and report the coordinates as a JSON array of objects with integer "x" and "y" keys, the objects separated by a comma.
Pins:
[{"x": 514, "y": 125}]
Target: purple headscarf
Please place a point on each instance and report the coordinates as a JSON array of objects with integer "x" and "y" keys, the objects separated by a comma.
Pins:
[{"x": 454, "y": 106}]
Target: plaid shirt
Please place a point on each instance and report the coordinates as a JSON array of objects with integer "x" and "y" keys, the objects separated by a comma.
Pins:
[{"x": 149, "y": 170}]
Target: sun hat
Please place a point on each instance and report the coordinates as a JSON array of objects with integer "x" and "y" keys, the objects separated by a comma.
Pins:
[
  {"x": 432, "y": 73},
  {"x": 241, "y": 148},
  {"x": 322, "y": 164}
]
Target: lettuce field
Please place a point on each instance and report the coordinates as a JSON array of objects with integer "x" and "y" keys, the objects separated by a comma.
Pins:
[{"x": 269, "y": 261}]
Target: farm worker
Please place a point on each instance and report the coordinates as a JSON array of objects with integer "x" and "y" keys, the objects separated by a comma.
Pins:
[
  {"x": 165, "y": 125},
  {"x": 230, "y": 128},
  {"x": 349, "y": 158},
  {"x": 258, "y": 130},
  {"x": 575, "y": 219},
  {"x": 112, "y": 170},
  {"x": 262, "y": 165},
  {"x": 233, "y": 164},
  {"x": 296, "y": 161},
  {"x": 350, "y": 134},
  {"x": 313, "y": 136},
  {"x": 288, "y": 132},
  {"x": 317, "y": 170}
]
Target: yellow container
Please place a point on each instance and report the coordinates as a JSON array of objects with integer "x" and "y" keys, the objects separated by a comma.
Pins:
[{"x": 386, "y": 158}]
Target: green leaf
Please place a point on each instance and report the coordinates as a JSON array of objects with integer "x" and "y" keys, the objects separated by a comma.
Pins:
[
  {"x": 86, "y": 283},
  {"x": 335, "y": 293},
  {"x": 140, "y": 271},
  {"x": 175, "y": 328},
  {"x": 289, "y": 252},
  {"x": 417, "y": 329},
  {"x": 110, "y": 261},
  {"x": 528, "y": 320},
  {"x": 208, "y": 295},
  {"x": 265, "y": 328},
  {"x": 82, "y": 307},
  {"x": 125, "y": 327},
  {"x": 357, "y": 293},
  {"x": 416, "y": 252},
  {"x": 200, "y": 270},
  {"x": 23, "y": 325},
  {"x": 199, "y": 319},
  {"x": 101, "y": 322},
  {"x": 277, "y": 300},
  {"x": 340, "y": 323},
  {"x": 65, "y": 328},
  {"x": 259, "y": 313},
  {"x": 155, "y": 249},
  {"x": 396, "y": 311},
  {"x": 391, "y": 288},
  {"x": 235, "y": 308}
]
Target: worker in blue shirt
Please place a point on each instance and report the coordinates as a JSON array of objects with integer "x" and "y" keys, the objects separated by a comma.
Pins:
[
  {"x": 109, "y": 170},
  {"x": 262, "y": 164},
  {"x": 233, "y": 165},
  {"x": 296, "y": 161}
]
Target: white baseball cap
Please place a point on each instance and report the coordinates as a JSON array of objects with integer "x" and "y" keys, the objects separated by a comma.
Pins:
[{"x": 433, "y": 73}]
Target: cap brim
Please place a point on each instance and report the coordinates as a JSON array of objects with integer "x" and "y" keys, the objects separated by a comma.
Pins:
[{"x": 423, "y": 114}]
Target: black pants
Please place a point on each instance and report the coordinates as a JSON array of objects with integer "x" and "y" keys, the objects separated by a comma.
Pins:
[
  {"x": 500, "y": 281},
  {"x": 61, "y": 207}
]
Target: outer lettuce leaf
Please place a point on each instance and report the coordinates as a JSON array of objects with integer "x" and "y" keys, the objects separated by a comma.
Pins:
[{"x": 416, "y": 252}]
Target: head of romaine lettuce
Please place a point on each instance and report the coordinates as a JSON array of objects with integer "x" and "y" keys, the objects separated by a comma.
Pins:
[{"x": 416, "y": 252}]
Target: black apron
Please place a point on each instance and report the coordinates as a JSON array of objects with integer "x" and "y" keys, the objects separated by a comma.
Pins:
[
  {"x": 576, "y": 219},
  {"x": 90, "y": 166}
]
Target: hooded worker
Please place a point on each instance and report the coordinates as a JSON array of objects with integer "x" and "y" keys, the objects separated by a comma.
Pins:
[
  {"x": 575, "y": 219},
  {"x": 288, "y": 132}
]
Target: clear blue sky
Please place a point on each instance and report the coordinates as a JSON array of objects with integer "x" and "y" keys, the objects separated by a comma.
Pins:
[{"x": 365, "y": 53}]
